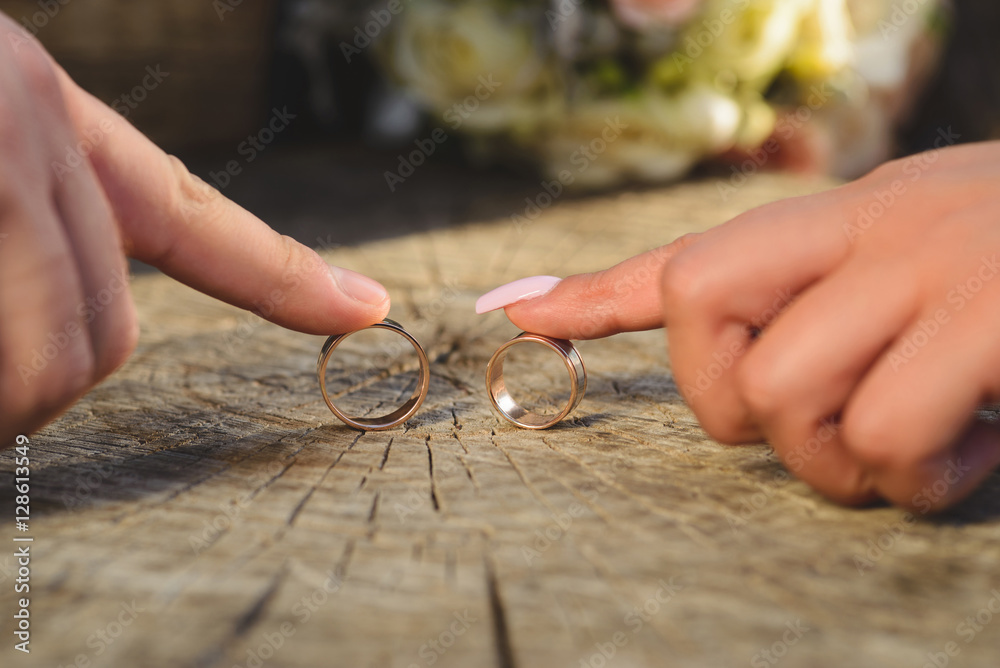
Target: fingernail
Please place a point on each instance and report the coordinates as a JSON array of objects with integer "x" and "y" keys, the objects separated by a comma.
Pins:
[
  {"x": 359, "y": 287},
  {"x": 519, "y": 291}
]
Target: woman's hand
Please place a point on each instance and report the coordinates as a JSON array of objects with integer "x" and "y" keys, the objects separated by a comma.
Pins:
[
  {"x": 80, "y": 188},
  {"x": 856, "y": 330}
]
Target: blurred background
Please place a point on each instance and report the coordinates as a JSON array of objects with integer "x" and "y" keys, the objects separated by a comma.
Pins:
[{"x": 304, "y": 110}]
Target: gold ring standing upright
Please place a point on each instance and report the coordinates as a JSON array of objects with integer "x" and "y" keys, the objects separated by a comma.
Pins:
[
  {"x": 398, "y": 416},
  {"x": 510, "y": 409}
]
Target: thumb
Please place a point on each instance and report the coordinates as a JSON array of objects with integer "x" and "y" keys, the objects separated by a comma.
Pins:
[{"x": 624, "y": 298}]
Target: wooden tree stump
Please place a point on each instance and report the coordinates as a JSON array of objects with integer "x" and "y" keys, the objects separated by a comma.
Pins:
[{"x": 204, "y": 508}]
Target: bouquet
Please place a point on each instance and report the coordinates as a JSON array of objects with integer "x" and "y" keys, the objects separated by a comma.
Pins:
[{"x": 597, "y": 92}]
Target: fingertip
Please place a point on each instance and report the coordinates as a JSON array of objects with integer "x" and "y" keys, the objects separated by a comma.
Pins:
[
  {"x": 358, "y": 301},
  {"x": 366, "y": 291},
  {"x": 947, "y": 479}
]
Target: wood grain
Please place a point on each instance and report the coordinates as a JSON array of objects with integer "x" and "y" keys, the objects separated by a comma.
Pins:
[{"x": 207, "y": 486}]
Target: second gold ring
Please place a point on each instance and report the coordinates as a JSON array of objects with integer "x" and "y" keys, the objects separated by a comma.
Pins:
[{"x": 506, "y": 405}]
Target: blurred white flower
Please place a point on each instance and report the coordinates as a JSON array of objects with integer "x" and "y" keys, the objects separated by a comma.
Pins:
[
  {"x": 825, "y": 41},
  {"x": 884, "y": 49},
  {"x": 658, "y": 137},
  {"x": 754, "y": 43},
  {"x": 678, "y": 80},
  {"x": 446, "y": 53}
]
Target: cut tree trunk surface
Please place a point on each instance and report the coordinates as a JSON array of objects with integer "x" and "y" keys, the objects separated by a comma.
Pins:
[{"x": 203, "y": 507}]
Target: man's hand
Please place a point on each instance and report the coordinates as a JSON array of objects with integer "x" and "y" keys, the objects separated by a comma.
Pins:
[{"x": 66, "y": 316}]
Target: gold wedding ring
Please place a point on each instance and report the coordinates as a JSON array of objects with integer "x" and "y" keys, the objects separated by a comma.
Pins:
[
  {"x": 510, "y": 409},
  {"x": 398, "y": 416}
]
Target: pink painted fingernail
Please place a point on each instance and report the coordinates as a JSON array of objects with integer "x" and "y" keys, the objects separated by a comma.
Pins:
[{"x": 519, "y": 291}]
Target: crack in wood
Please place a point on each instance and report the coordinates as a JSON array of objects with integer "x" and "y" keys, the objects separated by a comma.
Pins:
[
  {"x": 247, "y": 620},
  {"x": 430, "y": 468},
  {"x": 374, "y": 509},
  {"x": 501, "y": 634},
  {"x": 201, "y": 417},
  {"x": 385, "y": 455},
  {"x": 312, "y": 489}
]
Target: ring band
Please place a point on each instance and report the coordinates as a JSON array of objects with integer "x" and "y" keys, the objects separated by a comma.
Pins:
[
  {"x": 401, "y": 414},
  {"x": 510, "y": 409}
]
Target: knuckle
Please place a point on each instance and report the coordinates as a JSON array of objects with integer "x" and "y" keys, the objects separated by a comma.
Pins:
[
  {"x": 600, "y": 288},
  {"x": 113, "y": 352},
  {"x": 599, "y": 315},
  {"x": 761, "y": 387},
  {"x": 42, "y": 384},
  {"x": 854, "y": 488},
  {"x": 11, "y": 196},
  {"x": 724, "y": 427},
  {"x": 189, "y": 197},
  {"x": 11, "y": 138},
  {"x": 299, "y": 260},
  {"x": 870, "y": 437},
  {"x": 38, "y": 73},
  {"x": 83, "y": 362},
  {"x": 13, "y": 398},
  {"x": 686, "y": 286},
  {"x": 886, "y": 171}
]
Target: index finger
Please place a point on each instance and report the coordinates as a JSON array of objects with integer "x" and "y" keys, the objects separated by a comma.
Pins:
[
  {"x": 171, "y": 219},
  {"x": 624, "y": 298}
]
